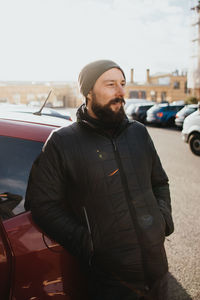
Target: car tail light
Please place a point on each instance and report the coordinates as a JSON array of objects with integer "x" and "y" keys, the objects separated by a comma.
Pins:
[{"x": 159, "y": 114}]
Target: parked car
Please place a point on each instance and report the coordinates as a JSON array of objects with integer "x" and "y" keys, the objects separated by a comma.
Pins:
[
  {"x": 163, "y": 114},
  {"x": 139, "y": 111},
  {"x": 35, "y": 110},
  {"x": 32, "y": 266},
  {"x": 133, "y": 101},
  {"x": 130, "y": 109},
  {"x": 191, "y": 131},
  {"x": 183, "y": 113}
]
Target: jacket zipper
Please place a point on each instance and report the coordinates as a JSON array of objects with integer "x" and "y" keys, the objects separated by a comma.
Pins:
[
  {"x": 128, "y": 200},
  {"x": 123, "y": 179}
]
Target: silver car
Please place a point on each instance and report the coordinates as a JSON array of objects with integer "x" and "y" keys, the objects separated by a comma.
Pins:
[{"x": 183, "y": 113}]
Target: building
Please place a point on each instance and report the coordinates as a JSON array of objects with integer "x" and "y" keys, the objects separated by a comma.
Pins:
[
  {"x": 64, "y": 94},
  {"x": 159, "y": 87}
]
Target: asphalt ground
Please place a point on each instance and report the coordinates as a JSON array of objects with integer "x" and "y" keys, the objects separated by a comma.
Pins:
[{"x": 183, "y": 246}]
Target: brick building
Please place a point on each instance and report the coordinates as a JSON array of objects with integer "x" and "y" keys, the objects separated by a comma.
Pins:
[
  {"x": 63, "y": 93},
  {"x": 159, "y": 87}
]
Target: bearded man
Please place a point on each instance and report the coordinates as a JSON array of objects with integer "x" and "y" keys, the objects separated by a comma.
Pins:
[{"x": 99, "y": 190}]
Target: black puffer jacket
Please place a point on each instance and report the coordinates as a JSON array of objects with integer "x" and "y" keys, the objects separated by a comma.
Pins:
[{"x": 115, "y": 187}]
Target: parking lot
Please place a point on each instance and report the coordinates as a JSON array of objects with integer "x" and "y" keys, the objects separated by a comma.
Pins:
[{"x": 183, "y": 169}]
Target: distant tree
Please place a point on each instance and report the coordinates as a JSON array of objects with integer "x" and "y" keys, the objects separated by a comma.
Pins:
[{"x": 191, "y": 100}]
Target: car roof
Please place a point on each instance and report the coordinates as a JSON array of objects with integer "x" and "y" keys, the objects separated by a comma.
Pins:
[
  {"x": 31, "y": 109},
  {"x": 188, "y": 106},
  {"x": 192, "y": 105},
  {"x": 32, "y": 118},
  {"x": 31, "y": 127},
  {"x": 168, "y": 105}
]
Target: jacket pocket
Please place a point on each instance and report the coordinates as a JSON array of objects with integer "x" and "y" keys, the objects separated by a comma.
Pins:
[
  {"x": 163, "y": 221},
  {"x": 90, "y": 235}
]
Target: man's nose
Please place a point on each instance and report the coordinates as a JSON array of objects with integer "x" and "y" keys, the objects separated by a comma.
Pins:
[{"x": 120, "y": 91}]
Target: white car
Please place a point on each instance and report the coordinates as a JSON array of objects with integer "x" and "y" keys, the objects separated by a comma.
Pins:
[
  {"x": 183, "y": 113},
  {"x": 191, "y": 131},
  {"x": 133, "y": 101}
]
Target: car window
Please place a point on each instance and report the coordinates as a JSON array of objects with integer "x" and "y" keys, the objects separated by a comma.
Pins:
[
  {"x": 173, "y": 108},
  {"x": 191, "y": 110},
  {"x": 165, "y": 108},
  {"x": 154, "y": 108},
  {"x": 144, "y": 108},
  {"x": 16, "y": 158},
  {"x": 179, "y": 108}
]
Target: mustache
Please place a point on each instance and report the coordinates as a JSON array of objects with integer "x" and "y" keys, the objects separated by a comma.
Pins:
[{"x": 117, "y": 100}]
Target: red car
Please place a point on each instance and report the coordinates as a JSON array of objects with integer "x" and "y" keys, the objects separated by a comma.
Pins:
[{"x": 32, "y": 266}]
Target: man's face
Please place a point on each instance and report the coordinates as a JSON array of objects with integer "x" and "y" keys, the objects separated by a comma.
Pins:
[{"x": 106, "y": 100}]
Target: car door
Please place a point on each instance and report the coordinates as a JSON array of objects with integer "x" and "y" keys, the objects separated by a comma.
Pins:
[{"x": 35, "y": 267}]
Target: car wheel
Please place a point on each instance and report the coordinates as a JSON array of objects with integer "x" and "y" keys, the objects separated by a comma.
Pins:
[{"x": 194, "y": 142}]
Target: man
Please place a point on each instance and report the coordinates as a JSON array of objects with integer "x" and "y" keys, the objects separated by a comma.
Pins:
[{"x": 99, "y": 190}]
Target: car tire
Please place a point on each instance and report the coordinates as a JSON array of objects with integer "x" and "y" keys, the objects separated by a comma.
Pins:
[{"x": 194, "y": 142}]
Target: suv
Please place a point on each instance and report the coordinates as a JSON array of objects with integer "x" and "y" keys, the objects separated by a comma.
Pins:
[
  {"x": 183, "y": 113},
  {"x": 163, "y": 114},
  {"x": 191, "y": 131},
  {"x": 32, "y": 266},
  {"x": 140, "y": 112}
]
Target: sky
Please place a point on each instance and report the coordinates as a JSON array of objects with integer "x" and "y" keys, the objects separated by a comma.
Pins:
[{"x": 51, "y": 40}]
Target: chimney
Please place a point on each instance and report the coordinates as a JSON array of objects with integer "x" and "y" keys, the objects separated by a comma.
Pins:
[
  {"x": 132, "y": 71},
  {"x": 148, "y": 76}
]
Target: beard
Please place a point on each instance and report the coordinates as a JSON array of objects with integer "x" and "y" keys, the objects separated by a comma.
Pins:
[{"x": 105, "y": 114}]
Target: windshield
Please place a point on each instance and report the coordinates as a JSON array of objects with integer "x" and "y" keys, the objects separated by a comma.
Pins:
[
  {"x": 190, "y": 110},
  {"x": 144, "y": 108}
]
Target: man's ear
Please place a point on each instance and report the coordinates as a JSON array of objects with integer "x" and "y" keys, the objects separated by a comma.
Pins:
[{"x": 89, "y": 96}]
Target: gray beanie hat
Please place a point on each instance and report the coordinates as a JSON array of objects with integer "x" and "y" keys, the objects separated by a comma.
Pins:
[{"x": 91, "y": 72}]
